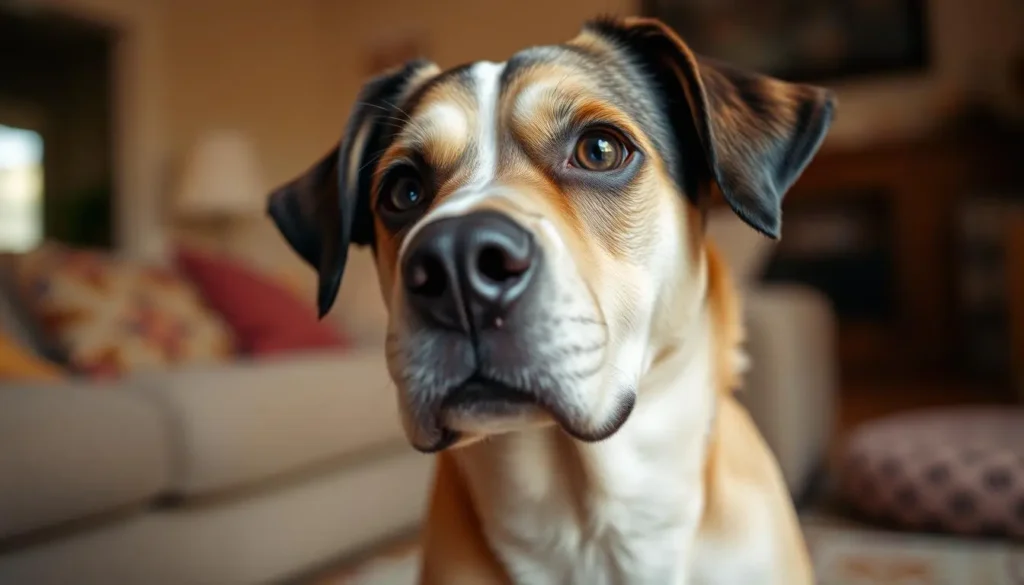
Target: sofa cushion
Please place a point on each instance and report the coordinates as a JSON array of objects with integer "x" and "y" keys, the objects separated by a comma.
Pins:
[
  {"x": 18, "y": 363},
  {"x": 114, "y": 316},
  {"x": 244, "y": 423},
  {"x": 68, "y": 452},
  {"x": 267, "y": 317},
  {"x": 16, "y": 320}
]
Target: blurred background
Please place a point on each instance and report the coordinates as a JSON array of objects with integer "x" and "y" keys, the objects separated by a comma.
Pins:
[{"x": 172, "y": 412}]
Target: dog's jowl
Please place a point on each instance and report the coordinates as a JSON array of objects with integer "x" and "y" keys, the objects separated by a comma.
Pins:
[{"x": 561, "y": 334}]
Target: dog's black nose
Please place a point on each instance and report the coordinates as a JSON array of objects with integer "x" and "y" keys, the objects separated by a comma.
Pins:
[{"x": 466, "y": 272}]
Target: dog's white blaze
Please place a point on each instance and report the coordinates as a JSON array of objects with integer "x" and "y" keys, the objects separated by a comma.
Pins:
[{"x": 487, "y": 83}]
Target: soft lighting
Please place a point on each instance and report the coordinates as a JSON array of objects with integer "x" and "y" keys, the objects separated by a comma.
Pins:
[{"x": 222, "y": 178}]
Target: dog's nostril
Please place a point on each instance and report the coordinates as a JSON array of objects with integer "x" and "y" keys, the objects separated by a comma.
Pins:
[
  {"x": 499, "y": 265},
  {"x": 427, "y": 277}
]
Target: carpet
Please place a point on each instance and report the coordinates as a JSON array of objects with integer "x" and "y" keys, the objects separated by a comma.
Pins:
[{"x": 843, "y": 552}]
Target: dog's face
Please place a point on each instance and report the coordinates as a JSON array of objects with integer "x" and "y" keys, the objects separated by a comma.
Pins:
[{"x": 538, "y": 223}]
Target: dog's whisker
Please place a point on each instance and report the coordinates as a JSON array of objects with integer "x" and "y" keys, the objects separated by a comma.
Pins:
[
  {"x": 373, "y": 160},
  {"x": 395, "y": 106}
]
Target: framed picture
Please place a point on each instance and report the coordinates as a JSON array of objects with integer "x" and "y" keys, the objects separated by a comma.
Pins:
[{"x": 803, "y": 40}]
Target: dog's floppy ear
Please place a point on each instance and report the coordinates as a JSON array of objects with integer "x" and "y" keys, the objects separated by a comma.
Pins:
[
  {"x": 757, "y": 133},
  {"x": 323, "y": 211}
]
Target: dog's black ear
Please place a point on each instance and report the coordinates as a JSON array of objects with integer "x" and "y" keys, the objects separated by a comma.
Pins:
[
  {"x": 323, "y": 211},
  {"x": 757, "y": 133}
]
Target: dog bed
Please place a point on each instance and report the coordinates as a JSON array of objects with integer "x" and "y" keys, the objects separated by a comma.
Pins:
[{"x": 957, "y": 470}]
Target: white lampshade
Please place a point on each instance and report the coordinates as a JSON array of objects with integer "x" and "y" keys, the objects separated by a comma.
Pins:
[{"x": 221, "y": 178}]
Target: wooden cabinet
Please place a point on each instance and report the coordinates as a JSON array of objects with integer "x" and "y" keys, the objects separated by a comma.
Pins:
[
  {"x": 1015, "y": 295},
  {"x": 923, "y": 183}
]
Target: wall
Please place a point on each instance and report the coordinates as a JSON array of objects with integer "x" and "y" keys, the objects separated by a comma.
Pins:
[
  {"x": 973, "y": 45},
  {"x": 257, "y": 65}
]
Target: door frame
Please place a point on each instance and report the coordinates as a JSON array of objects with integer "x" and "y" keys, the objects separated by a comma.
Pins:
[{"x": 138, "y": 119}]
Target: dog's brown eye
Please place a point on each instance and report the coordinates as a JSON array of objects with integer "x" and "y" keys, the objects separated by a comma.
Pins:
[
  {"x": 599, "y": 150},
  {"x": 404, "y": 193}
]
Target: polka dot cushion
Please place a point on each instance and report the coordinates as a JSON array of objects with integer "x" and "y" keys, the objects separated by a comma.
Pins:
[{"x": 948, "y": 470}]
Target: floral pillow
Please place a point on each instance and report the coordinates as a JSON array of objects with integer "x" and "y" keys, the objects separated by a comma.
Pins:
[{"x": 113, "y": 316}]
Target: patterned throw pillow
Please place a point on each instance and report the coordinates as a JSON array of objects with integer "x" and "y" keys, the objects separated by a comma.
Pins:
[
  {"x": 113, "y": 316},
  {"x": 958, "y": 470}
]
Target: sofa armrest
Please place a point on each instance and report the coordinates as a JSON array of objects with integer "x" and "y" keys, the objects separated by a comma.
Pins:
[
  {"x": 790, "y": 388},
  {"x": 252, "y": 420},
  {"x": 76, "y": 449}
]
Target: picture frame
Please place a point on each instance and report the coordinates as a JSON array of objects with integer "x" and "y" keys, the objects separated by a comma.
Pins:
[{"x": 804, "y": 40}]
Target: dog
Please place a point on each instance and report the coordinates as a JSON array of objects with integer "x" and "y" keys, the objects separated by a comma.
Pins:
[{"x": 561, "y": 333}]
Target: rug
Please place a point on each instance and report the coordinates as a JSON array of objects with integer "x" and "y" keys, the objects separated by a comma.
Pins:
[{"x": 843, "y": 552}]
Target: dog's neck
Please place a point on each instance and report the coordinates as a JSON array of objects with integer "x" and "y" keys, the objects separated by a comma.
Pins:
[{"x": 539, "y": 492}]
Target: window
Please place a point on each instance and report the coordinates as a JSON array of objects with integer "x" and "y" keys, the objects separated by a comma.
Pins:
[{"x": 21, "y": 189}]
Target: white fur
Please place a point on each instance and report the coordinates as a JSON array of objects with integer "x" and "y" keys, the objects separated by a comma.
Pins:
[
  {"x": 717, "y": 563},
  {"x": 640, "y": 529},
  {"x": 487, "y": 79}
]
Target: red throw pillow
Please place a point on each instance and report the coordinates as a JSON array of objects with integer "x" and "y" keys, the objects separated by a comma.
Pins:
[{"x": 266, "y": 317}]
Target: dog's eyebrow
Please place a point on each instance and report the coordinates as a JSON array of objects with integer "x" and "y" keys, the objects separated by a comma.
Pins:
[
  {"x": 439, "y": 132},
  {"x": 443, "y": 163},
  {"x": 549, "y": 108}
]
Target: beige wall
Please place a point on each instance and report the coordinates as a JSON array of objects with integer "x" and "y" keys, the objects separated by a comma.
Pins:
[{"x": 287, "y": 73}]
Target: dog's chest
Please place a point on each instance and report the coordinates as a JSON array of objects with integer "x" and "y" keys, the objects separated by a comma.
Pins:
[
  {"x": 639, "y": 529},
  {"x": 607, "y": 546}
]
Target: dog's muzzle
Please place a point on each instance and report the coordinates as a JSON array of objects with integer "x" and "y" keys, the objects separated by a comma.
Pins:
[
  {"x": 466, "y": 273},
  {"x": 489, "y": 342}
]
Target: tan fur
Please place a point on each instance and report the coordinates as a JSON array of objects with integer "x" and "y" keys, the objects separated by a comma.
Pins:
[
  {"x": 741, "y": 472},
  {"x": 726, "y": 315},
  {"x": 455, "y": 550}
]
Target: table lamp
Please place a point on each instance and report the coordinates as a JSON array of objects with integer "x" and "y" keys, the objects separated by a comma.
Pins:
[{"x": 221, "y": 184}]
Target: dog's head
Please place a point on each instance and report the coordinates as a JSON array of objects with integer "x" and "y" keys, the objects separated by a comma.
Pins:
[{"x": 538, "y": 224}]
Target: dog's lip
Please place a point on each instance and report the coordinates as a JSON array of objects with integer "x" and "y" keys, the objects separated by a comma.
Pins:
[
  {"x": 480, "y": 389},
  {"x": 482, "y": 396}
]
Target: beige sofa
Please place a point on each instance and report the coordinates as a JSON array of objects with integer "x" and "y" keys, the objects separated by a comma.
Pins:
[
  {"x": 258, "y": 472},
  {"x": 247, "y": 474}
]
